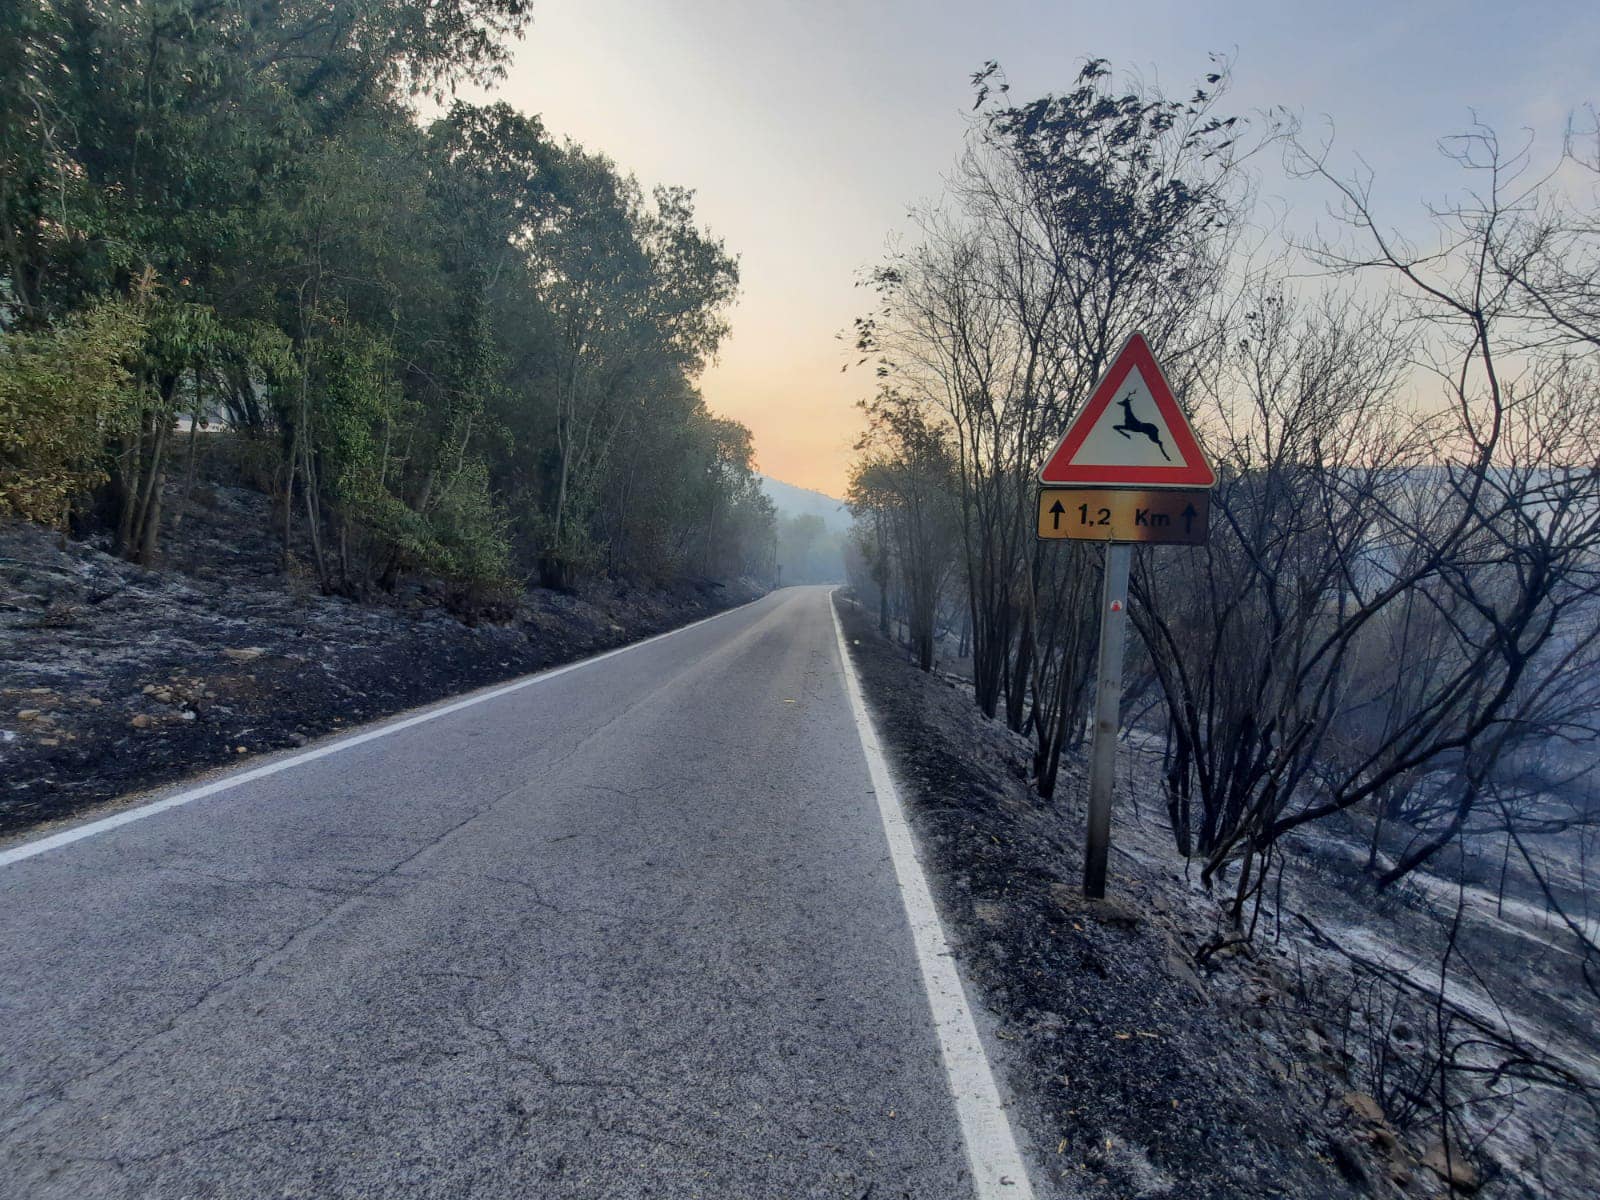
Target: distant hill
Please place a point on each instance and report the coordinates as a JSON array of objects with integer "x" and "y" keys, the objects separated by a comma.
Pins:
[
  {"x": 794, "y": 501},
  {"x": 812, "y": 531}
]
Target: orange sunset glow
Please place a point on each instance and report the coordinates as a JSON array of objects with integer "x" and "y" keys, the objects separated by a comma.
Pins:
[{"x": 807, "y": 131}]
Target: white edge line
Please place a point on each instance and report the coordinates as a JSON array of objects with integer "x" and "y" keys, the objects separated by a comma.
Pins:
[
  {"x": 997, "y": 1167},
  {"x": 92, "y": 828}
]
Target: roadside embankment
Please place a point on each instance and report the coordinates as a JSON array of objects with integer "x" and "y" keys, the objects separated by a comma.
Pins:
[
  {"x": 1135, "y": 1075},
  {"x": 114, "y": 678}
]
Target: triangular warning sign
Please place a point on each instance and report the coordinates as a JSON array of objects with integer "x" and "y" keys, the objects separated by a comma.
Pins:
[{"x": 1131, "y": 432}]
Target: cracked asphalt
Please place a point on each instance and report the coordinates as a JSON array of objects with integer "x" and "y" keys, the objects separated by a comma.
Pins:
[{"x": 631, "y": 931}]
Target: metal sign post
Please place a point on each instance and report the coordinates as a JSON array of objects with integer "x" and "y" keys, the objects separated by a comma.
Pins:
[
  {"x": 1107, "y": 709},
  {"x": 1128, "y": 469}
]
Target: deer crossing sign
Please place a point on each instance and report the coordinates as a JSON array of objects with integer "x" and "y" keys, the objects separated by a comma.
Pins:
[
  {"x": 1131, "y": 433},
  {"x": 1128, "y": 469}
]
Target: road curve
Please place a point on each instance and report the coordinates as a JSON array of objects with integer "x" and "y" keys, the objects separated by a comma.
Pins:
[{"x": 630, "y": 931}]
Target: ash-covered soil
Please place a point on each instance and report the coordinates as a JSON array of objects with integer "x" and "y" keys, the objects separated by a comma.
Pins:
[
  {"x": 114, "y": 678},
  {"x": 1137, "y": 1072}
]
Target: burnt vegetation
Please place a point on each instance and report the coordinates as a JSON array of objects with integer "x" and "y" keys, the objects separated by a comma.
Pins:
[{"x": 1390, "y": 640}]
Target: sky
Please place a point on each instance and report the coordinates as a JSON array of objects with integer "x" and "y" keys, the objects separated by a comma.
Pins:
[{"x": 808, "y": 130}]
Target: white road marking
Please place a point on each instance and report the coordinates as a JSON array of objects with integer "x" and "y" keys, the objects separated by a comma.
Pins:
[
  {"x": 997, "y": 1169},
  {"x": 78, "y": 832}
]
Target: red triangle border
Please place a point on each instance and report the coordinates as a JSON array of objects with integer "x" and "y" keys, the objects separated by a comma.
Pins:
[{"x": 1195, "y": 470}]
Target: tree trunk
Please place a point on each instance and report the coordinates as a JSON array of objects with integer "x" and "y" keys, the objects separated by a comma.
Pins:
[
  {"x": 188, "y": 469},
  {"x": 1017, "y": 679},
  {"x": 146, "y": 522},
  {"x": 150, "y": 536},
  {"x": 129, "y": 484}
]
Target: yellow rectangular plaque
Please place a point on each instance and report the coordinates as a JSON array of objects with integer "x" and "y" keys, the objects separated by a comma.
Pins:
[{"x": 1125, "y": 514}]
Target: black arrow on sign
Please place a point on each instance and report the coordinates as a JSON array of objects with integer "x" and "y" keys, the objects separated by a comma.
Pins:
[
  {"x": 1055, "y": 511},
  {"x": 1189, "y": 514}
]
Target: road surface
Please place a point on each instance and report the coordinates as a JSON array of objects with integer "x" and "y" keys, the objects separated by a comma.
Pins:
[{"x": 632, "y": 929}]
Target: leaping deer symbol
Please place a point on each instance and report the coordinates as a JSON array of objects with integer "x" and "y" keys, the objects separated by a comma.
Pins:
[{"x": 1131, "y": 425}]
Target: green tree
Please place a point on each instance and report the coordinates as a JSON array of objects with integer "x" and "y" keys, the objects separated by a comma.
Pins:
[
  {"x": 66, "y": 392},
  {"x": 452, "y": 340}
]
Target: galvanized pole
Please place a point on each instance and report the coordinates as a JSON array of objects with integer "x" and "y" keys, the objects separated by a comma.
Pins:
[{"x": 1107, "y": 710}]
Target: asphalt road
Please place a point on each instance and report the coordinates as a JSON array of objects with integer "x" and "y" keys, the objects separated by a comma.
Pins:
[{"x": 632, "y": 930}]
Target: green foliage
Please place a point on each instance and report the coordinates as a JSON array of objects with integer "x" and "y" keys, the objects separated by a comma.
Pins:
[
  {"x": 359, "y": 408},
  {"x": 65, "y": 393},
  {"x": 468, "y": 527},
  {"x": 458, "y": 336}
]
